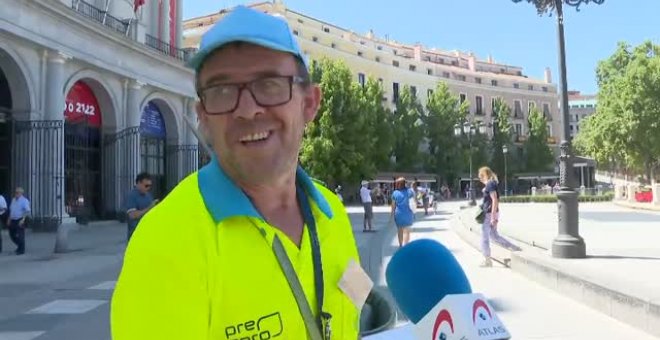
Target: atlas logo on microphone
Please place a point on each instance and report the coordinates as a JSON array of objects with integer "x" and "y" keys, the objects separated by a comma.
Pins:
[{"x": 485, "y": 319}]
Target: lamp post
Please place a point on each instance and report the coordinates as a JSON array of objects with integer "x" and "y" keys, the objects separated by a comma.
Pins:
[
  {"x": 470, "y": 129},
  {"x": 505, "y": 151},
  {"x": 568, "y": 243}
]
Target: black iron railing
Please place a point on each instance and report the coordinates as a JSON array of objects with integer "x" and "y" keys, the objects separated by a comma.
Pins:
[
  {"x": 168, "y": 49},
  {"x": 100, "y": 16},
  {"x": 37, "y": 158}
]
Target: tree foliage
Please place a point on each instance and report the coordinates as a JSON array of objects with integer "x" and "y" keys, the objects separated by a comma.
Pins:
[
  {"x": 625, "y": 128},
  {"x": 408, "y": 131},
  {"x": 350, "y": 138},
  {"x": 501, "y": 134},
  {"x": 443, "y": 112},
  {"x": 538, "y": 155}
]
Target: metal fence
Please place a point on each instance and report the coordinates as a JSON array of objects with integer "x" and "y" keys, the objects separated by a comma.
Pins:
[
  {"x": 121, "y": 164},
  {"x": 181, "y": 161},
  {"x": 37, "y": 166}
]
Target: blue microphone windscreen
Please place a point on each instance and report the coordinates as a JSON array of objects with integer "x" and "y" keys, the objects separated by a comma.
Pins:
[{"x": 421, "y": 274}]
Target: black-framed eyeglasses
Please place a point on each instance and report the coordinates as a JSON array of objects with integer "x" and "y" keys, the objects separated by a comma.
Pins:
[{"x": 272, "y": 91}]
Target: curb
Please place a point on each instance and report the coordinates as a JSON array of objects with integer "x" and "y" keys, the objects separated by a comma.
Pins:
[
  {"x": 626, "y": 204},
  {"x": 534, "y": 264}
]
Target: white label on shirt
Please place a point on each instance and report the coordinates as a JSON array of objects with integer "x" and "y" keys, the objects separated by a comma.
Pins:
[{"x": 356, "y": 284}]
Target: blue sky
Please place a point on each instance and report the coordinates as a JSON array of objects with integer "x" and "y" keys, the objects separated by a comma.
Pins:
[{"x": 511, "y": 33}]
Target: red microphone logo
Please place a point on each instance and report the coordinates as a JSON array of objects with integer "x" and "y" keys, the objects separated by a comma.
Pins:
[
  {"x": 442, "y": 317},
  {"x": 480, "y": 304}
]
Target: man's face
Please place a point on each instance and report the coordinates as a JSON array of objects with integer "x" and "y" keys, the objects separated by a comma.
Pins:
[
  {"x": 144, "y": 186},
  {"x": 253, "y": 142}
]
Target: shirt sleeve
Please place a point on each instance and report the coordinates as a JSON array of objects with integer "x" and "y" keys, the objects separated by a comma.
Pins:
[
  {"x": 491, "y": 187},
  {"x": 160, "y": 294},
  {"x": 26, "y": 207},
  {"x": 131, "y": 202}
]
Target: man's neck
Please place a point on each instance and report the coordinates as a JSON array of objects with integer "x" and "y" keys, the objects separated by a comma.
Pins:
[{"x": 277, "y": 202}]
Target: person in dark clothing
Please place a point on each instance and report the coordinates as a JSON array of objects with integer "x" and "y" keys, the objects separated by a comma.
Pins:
[{"x": 139, "y": 202}]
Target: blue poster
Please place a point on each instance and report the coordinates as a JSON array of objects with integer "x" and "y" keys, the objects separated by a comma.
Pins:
[{"x": 152, "y": 123}]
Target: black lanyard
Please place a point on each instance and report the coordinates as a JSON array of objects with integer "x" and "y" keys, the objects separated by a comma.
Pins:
[
  {"x": 319, "y": 328},
  {"x": 323, "y": 318}
]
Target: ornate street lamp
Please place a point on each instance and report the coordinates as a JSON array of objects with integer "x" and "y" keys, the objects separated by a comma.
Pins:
[
  {"x": 568, "y": 243},
  {"x": 470, "y": 129},
  {"x": 505, "y": 151}
]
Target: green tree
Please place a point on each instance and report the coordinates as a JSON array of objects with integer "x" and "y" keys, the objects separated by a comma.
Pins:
[
  {"x": 501, "y": 135},
  {"x": 336, "y": 143},
  {"x": 379, "y": 121},
  {"x": 408, "y": 131},
  {"x": 538, "y": 155},
  {"x": 626, "y": 123},
  {"x": 443, "y": 112}
]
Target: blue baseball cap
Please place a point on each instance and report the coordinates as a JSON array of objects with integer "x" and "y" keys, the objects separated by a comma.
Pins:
[{"x": 251, "y": 26}]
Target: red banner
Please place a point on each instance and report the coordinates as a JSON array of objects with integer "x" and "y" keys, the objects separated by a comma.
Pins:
[
  {"x": 81, "y": 105},
  {"x": 137, "y": 4}
]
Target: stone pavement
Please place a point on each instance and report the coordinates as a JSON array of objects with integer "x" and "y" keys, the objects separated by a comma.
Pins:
[
  {"x": 527, "y": 309},
  {"x": 637, "y": 205},
  {"x": 47, "y": 296},
  {"x": 620, "y": 277}
]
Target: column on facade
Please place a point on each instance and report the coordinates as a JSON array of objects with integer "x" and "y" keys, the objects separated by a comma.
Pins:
[
  {"x": 179, "y": 24},
  {"x": 132, "y": 164},
  {"x": 165, "y": 22},
  {"x": 192, "y": 156},
  {"x": 154, "y": 18},
  {"x": 48, "y": 201}
]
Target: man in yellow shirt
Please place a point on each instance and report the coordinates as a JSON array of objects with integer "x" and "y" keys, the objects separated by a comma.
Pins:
[{"x": 249, "y": 247}]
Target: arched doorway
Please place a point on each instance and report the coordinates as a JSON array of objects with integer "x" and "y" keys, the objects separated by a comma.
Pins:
[
  {"x": 82, "y": 151},
  {"x": 153, "y": 142},
  {"x": 15, "y": 104},
  {"x": 6, "y": 106}
]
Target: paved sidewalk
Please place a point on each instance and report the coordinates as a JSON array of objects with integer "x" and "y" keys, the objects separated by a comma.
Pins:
[{"x": 620, "y": 277}]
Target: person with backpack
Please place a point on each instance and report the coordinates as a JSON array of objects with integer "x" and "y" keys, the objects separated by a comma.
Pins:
[{"x": 491, "y": 207}]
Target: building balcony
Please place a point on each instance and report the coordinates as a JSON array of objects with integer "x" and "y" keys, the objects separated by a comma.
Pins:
[
  {"x": 169, "y": 50},
  {"x": 127, "y": 28},
  {"x": 101, "y": 16}
]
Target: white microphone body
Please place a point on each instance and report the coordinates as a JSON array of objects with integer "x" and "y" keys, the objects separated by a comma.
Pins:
[{"x": 461, "y": 317}]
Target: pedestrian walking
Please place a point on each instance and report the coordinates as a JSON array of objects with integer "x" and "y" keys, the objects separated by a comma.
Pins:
[
  {"x": 138, "y": 202},
  {"x": 401, "y": 210},
  {"x": 365, "y": 197},
  {"x": 491, "y": 207},
  {"x": 249, "y": 246},
  {"x": 19, "y": 210}
]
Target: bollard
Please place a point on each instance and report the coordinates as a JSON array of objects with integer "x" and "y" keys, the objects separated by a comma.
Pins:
[
  {"x": 533, "y": 191},
  {"x": 583, "y": 190},
  {"x": 631, "y": 193}
]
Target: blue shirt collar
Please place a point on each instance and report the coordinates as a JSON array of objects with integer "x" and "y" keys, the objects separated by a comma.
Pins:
[{"x": 224, "y": 199}]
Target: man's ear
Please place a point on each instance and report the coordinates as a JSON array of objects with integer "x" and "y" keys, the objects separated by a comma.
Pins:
[{"x": 311, "y": 102}]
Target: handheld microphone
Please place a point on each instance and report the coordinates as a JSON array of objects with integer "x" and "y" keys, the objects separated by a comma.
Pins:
[{"x": 432, "y": 290}]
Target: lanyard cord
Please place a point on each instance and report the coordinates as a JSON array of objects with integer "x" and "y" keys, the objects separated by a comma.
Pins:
[{"x": 318, "y": 329}]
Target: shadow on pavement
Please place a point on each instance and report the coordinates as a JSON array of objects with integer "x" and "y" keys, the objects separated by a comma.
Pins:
[
  {"x": 614, "y": 217},
  {"x": 427, "y": 229}
]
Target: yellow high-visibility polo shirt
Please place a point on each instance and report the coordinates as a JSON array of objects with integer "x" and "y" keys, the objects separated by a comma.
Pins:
[{"x": 199, "y": 267}]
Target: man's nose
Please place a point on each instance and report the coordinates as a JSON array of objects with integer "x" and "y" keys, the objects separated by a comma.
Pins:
[{"x": 247, "y": 108}]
